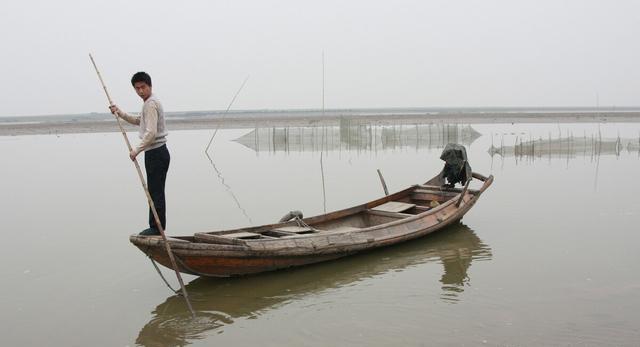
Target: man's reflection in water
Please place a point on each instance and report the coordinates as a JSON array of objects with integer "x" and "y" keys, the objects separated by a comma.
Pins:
[{"x": 218, "y": 302}]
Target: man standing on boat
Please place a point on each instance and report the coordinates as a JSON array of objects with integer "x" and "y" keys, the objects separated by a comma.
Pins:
[{"x": 153, "y": 135}]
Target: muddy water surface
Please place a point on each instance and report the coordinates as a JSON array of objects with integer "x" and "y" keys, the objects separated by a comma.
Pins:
[{"x": 548, "y": 256}]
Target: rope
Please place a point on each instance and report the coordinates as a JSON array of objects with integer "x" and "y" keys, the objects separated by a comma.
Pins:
[
  {"x": 302, "y": 224},
  {"x": 182, "y": 264},
  {"x": 162, "y": 276}
]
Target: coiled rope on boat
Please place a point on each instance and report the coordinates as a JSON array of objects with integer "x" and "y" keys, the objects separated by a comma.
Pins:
[{"x": 296, "y": 216}]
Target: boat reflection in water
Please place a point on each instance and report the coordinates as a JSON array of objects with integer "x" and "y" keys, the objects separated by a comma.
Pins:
[
  {"x": 218, "y": 301},
  {"x": 357, "y": 135}
]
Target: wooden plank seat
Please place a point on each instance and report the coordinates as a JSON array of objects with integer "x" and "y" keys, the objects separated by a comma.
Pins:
[
  {"x": 389, "y": 214},
  {"x": 340, "y": 229},
  {"x": 394, "y": 206},
  {"x": 242, "y": 235},
  {"x": 215, "y": 238},
  {"x": 230, "y": 239},
  {"x": 294, "y": 229}
]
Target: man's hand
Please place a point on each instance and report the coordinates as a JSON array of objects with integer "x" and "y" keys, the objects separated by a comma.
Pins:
[
  {"x": 133, "y": 154},
  {"x": 115, "y": 110}
]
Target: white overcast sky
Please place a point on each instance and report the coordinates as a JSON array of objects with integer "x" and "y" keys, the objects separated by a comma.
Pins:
[{"x": 458, "y": 53}]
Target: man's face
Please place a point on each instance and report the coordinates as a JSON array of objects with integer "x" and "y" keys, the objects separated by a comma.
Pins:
[{"x": 142, "y": 89}]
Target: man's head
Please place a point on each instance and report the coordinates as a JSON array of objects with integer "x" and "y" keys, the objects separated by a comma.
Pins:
[{"x": 141, "y": 82}]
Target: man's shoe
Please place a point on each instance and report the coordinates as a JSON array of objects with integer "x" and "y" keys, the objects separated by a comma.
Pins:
[{"x": 149, "y": 232}]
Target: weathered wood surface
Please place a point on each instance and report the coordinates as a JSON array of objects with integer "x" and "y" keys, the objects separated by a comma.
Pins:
[
  {"x": 210, "y": 238},
  {"x": 463, "y": 193},
  {"x": 393, "y": 206},
  {"x": 293, "y": 229},
  {"x": 389, "y": 213},
  {"x": 333, "y": 235},
  {"x": 241, "y": 235}
]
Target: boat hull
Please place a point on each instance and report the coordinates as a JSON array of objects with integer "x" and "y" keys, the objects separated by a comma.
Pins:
[{"x": 256, "y": 256}]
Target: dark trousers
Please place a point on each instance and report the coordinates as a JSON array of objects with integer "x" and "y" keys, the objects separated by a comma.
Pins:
[{"x": 156, "y": 162}]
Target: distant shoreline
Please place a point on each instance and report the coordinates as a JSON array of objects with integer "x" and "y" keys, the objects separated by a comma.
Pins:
[{"x": 98, "y": 123}]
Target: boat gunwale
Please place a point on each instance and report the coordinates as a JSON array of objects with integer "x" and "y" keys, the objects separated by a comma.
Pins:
[
  {"x": 203, "y": 249},
  {"x": 248, "y": 250}
]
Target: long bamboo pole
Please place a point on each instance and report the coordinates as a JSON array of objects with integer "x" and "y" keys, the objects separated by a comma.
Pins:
[{"x": 146, "y": 191}]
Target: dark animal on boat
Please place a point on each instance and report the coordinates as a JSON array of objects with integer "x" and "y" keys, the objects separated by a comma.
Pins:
[{"x": 456, "y": 167}]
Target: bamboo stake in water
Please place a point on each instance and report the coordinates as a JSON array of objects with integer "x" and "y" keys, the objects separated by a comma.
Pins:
[
  {"x": 384, "y": 184},
  {"x": 146, "y": 190},
  {"x": 322, "y": 83},
  {"x": 225, "y": 113}
]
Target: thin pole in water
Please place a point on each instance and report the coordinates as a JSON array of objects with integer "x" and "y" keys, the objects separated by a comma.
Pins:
[
  {"x": 324, "y": 191},
  {"x": 149, "y": 200},
  {"x": 323, "y": 83},
  {"x": 225, "y": 113},
  {"x": 322, "y": 145}
]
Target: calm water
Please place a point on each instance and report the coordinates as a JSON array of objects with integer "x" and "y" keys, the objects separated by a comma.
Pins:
[{"x": 548, "y": 256}]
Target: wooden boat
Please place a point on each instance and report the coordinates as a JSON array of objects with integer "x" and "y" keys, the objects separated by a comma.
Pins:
[
  {"x": 220, "y": 303},
  {"x": 408, "y": 214}
]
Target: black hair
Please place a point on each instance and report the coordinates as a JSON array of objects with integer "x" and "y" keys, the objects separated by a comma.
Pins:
[{"x": 141, "y": 77}]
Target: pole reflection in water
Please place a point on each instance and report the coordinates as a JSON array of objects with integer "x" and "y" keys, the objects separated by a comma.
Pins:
[
  {"x": 219, "y": 301},
  {"x": 357, "y": 135}
]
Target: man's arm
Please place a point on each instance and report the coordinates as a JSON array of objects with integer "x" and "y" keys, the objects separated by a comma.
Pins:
[
  {"x": 150, "y": 114},
  {"x": 135, "y": 120}
]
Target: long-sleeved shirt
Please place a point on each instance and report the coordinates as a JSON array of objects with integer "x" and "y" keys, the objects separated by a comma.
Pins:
[{"x": 152, "y": 131}]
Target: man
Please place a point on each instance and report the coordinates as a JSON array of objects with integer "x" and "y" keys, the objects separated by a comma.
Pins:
[{"x": 153, "y": 135}]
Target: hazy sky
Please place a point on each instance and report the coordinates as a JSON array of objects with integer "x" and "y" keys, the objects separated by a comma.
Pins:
[{"x": 377, "y": 54}]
